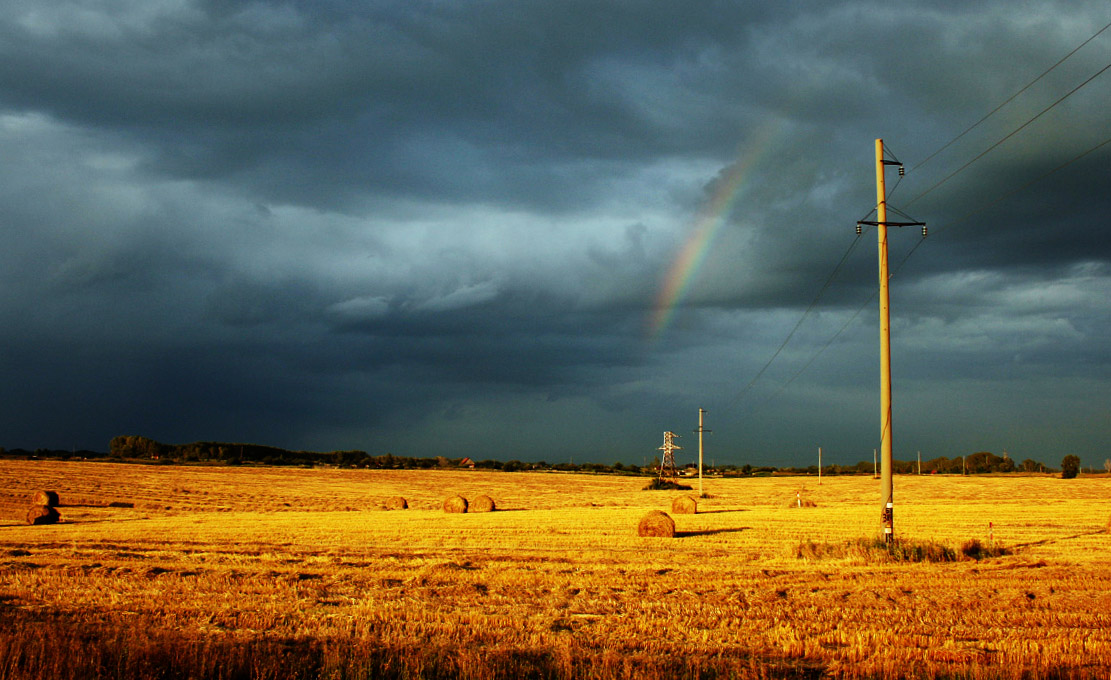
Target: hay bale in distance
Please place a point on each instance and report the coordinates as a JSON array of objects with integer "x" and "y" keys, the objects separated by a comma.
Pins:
[
  {"x": 482, "y": 504},
  {"x": 684, "y": 505},
  {"x": 455, "y": 504},
  {"x": 656, "y": 523},
  {"x": 397, "y": 503},
  {"x": 47, "y": 498},
  {"x": 42, "y": 514}
]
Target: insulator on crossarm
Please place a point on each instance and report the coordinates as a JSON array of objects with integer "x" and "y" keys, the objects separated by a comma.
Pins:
[
  {"x": 923, "y": 231},
  {"x": 858, "y": 229},
  {"x": 902, "y": 171}
]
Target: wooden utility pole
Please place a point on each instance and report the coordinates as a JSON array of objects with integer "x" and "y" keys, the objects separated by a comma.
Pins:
[
  {"x": 887, "y": 512},
  {"x": 819, "y": 466}
]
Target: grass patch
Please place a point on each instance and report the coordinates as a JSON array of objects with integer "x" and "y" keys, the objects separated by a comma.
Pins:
[
  {"x": 875, "y": 550},
  {"x": 973, "y": 549}
]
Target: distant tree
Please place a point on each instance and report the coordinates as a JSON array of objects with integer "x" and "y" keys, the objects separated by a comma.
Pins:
[
  {"x": 136, "y": 447},
  {"x": 1070, "y": 467},
  {"x": 982, "y": 462},
  {"x": 1107, "y": 465}
]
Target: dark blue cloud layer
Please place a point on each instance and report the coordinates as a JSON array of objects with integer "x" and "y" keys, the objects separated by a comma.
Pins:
[{"x": 434, "y": 228}]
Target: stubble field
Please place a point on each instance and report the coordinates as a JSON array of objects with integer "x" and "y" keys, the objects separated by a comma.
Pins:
[{"x": 267, "y": 572}]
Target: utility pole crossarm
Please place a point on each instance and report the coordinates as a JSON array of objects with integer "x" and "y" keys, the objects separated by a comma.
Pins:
[{"x": 892, "y": 224}]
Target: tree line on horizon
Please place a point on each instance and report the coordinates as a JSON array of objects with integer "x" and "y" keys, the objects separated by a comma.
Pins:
[{"x": 136, "y": 448}]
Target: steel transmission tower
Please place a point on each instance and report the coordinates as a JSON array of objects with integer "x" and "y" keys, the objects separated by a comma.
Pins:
[{"x": 667, "y": 465}]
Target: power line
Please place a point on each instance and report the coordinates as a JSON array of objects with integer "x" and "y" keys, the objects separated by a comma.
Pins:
[
  {"x": 790, "y": 335},
  {"x": 1009, "y": 99},
  {"x": 1011, "y": 134},
  {"x": 983, "y": 207},
  {"x": 1000, "y": 199},
  {"x": 895, "y": 271}
]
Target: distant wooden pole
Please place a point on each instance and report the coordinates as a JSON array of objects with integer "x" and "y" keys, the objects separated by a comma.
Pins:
[
  {"x": 700, "y": 430},
  {"x": 819, "y": 466},
  {"x": 919, "y": 462},
  {"x": 700, "y": 412}
]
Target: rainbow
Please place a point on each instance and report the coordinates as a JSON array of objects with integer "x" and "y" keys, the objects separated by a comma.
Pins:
[{"x": 684, "y": 268}]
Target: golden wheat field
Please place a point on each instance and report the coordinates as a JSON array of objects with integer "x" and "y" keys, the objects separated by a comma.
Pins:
[{"x": 229, "y": 572}]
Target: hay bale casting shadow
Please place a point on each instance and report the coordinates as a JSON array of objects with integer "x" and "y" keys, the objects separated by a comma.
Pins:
[
  {"x": 397, "y": 503},
  {"x": 657, "y": 523},
  {"x": 482, "y": 504},
  {"x": 684, "y": 505},
  {"x": 47, "y": 498},
  {"x": 42, "y": 514},
  {"x": 455, "y": 504}
]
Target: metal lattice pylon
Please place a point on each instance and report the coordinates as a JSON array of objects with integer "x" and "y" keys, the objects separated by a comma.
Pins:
[{"x": 667, "y": 466}]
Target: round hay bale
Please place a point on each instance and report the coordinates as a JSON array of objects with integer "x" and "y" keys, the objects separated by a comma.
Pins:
[
  {"x": 397, "y": 503},
  {"x": 656, "y": 523},
  {"x": 684, "y": 505},
  {"x": 47, "y": 498},
  {"x": 455, "y": 504},
  {"x": 482, "y": 504},
  {"x": 42, "y": 514}
]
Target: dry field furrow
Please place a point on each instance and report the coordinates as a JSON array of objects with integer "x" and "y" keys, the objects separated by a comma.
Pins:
[{"x": 305, "y": 567}]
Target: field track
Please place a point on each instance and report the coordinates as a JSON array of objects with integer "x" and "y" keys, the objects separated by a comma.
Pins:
[{"x": 270, "y": 572}]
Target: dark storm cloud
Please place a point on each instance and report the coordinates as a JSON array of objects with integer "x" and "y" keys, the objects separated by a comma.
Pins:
[
  {"x": 404, "y": 225},
  {"x": 444, "y": 99}
]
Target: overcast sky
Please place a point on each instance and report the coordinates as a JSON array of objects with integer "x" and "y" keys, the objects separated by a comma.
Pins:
[{"x": 553, "y": 230}]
